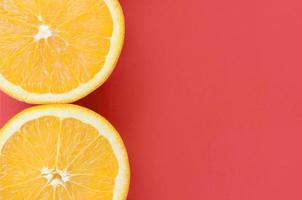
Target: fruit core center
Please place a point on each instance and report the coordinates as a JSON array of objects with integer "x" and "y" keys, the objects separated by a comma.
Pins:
[
  {"x": 44, "y": 32},
  {"x": 55, "y": 177}
]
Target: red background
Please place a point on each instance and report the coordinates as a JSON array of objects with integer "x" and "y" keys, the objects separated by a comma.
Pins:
[{"x": 207, "y": 96}]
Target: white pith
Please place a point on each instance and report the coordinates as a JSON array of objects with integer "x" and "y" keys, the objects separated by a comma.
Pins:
[
  {"x": 44, "y": 32},
  {"x": 49, "y": 174}
]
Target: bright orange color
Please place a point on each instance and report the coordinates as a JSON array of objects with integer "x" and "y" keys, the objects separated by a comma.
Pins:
[
  {"x": 58, "y": 50},
  {"x": 57, "y": 156}
]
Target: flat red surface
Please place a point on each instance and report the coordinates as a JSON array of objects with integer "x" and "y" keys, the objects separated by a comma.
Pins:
[{"x": 208, "y": 98}]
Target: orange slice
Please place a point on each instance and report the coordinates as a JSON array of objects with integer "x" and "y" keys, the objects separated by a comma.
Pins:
[
  {"x": 58, "y": 51},
  {"x": 62, "y": 152}
]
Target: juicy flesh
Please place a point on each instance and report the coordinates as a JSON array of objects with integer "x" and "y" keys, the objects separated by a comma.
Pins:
[
  {"x": 52, "y": 158},
  {"x": 53, "y": 46}
]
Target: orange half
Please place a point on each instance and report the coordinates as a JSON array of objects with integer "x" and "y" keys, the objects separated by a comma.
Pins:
[
  {"x": 58, "y": 51},
  {"x": 62, "y": 152}
]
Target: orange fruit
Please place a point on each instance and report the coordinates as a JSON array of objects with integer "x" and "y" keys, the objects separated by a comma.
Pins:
[
  {"x": 62, "y": 152},
  {"x": 58, "y": 51}
]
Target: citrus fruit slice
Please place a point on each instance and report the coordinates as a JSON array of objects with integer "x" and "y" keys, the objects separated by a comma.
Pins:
[
  {"x": 62, "y": 152},
  {"x": 58, "y": 51}
]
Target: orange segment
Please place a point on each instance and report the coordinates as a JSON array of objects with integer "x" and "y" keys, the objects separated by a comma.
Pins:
[
  {"x": 50, "y": 152},
  {"x": 58, "y": 50}
]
